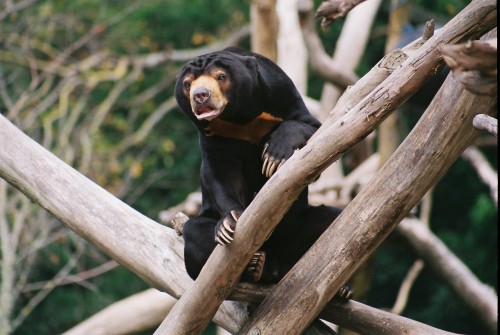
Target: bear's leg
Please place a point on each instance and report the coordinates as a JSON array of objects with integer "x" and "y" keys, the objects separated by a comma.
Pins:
[
  {"x": 199, "y": 242},
  {"x": 309, "y": 225}
]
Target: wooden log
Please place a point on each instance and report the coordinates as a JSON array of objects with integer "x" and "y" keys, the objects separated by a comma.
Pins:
[
  {"x": 195, "y": 309},
  {"x": 40, "y": 175},
  {"x": 439, "y": 138},
  {"x": 100, "y": 218}
]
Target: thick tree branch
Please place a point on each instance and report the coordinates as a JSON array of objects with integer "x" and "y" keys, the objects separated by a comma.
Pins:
[
  {"x": 195, "y": 309},
  {"x": 107, "y": 222},
  {"x": 434, "y": 144},
  {"x": 100, "y": 218},
  {"x": 475, "y": 63}
]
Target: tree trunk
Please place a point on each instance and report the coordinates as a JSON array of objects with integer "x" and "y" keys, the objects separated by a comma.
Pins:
[{"x": 264, "y": 26}]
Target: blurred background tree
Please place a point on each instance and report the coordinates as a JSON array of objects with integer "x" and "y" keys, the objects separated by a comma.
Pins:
[{"x": 92, "y": 81}]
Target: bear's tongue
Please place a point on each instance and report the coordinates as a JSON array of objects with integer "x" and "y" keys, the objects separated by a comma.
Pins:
[
  {"x": 203, "y": 110},
  {"x": 207, "y": 113}
]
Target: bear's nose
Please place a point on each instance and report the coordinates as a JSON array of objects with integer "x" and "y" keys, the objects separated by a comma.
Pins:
[{"x": 201, "y": 94}]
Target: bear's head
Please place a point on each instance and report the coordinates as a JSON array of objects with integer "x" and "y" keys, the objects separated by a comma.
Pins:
[{"x": 222, "y": 85}]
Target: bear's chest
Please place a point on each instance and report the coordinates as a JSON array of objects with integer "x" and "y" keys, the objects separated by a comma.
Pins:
[{"x": 253, "y": 131}]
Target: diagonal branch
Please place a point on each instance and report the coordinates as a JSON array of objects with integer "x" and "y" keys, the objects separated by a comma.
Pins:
[
  {"x": 435, "y": 143},
  {"x": 195, "y": 309}
]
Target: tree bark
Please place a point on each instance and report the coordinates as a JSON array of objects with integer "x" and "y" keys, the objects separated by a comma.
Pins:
[
  {"x": 32, "y": 179},
  {"x": 264, "y": 25},
  {"x": 100, "y": 218},
  {"x": 195, "y": 309},
  {"x": 435, "y": 143}
]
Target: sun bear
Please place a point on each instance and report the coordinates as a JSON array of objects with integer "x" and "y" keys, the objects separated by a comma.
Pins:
[{"x": 250, "y": 119}]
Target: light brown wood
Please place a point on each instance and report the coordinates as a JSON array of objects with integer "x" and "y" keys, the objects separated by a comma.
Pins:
[
  {"x": 152, "y": 251},
  {"x": 195, "y": 309},
  {"x": 264, "y": 26},
  {"x": 40, "y": 186},
  {"x": 435, "y": 143}
]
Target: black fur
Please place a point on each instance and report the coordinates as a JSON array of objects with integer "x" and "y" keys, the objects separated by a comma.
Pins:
[{"x": 247, "y": 85}]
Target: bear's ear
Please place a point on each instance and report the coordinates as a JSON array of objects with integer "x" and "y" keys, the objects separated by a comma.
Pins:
[{"x": 252, "y": 62}]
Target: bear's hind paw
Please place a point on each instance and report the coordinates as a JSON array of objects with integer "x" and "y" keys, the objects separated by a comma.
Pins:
[
  {"x": 345, "y": 292},
  {"x": 225, "y": 228},
  {"x": 255, "y": 267}
]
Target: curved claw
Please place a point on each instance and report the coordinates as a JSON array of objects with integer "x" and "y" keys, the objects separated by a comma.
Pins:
[
  {"x": 223, "y": 237},
  {"x": 255, "y": 267},
  {"x": 235, "y": 214},
  {"x": 264, "y": 165},
  {"x": 225, "y": 230},
  {"x": 266, "y": 146},
  {"x": 227, "y": 226},
  {"x": 271, "y": 167},
  {"x": 345, "y": 292}
]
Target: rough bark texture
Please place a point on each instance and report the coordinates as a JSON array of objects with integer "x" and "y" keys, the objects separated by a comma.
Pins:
[
  {"x": 435, "y": 143},
  {"x": 45, "y": 179},
  {"x": 196, "y": 308},
  {"x": 100, "y": 218},
  {"x": 475, "y": 63}
]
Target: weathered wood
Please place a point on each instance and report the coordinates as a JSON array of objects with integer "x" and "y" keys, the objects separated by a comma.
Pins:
[
  {"x": 320, "y": 62},
  {"x": 290, "y": 42},
  {"x": 40, "y": 174},
  {"x": 487, "y": 123},
  {"x": 475, "y": 62},
  {"x": 360, "y": 320},
  {"x": 195, "y": 309},
  {"x": 438, "y": 139},
  {"x": 150, "y": 250},
  {"x": 264, "y": 25}
]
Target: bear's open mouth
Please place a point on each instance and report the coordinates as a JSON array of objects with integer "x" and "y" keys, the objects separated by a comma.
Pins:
[{"x": 207, "y": 112}]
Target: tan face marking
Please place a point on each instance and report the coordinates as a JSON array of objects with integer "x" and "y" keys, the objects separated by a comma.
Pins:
[{"x": 207, "y": 93}]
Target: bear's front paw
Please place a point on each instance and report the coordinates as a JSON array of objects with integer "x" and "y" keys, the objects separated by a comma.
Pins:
[
  {"x": 271, "y": 163},
  {"x": 224, "y": 231}
]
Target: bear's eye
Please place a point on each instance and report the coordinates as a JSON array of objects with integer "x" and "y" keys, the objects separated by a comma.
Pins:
[
  {"x": 187, "y": 84},
  {"x": 221, "y": 77}
]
